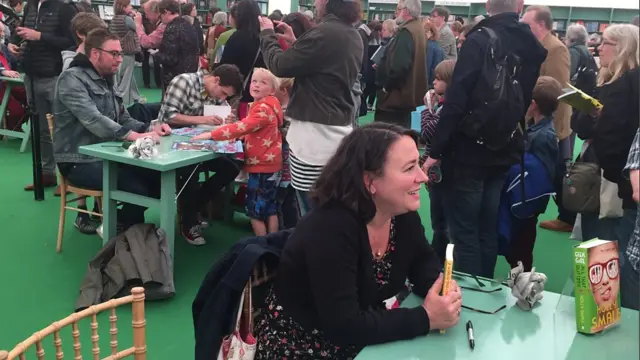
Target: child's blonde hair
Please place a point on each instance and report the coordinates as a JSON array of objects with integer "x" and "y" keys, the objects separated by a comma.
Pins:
[
  {"x": 275, "y": 82},
  {"x": 286, "y": 84}
]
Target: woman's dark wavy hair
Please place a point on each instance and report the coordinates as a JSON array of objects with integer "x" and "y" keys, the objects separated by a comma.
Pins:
[
  {"x": 298, "y": 22},
  {"x": 248, "y": 12},
  {"x": 363, "y": 151},
  {"x": 348, "y": 11}
]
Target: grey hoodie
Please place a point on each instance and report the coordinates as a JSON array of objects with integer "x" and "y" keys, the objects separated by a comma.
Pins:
[{"x": 67, "y": 57}]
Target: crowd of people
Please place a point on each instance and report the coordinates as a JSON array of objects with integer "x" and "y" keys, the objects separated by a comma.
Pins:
[{"x": 298, "y": 84}]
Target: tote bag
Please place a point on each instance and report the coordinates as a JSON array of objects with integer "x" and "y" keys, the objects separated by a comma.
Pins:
[
  {"x": 241, "y": 345},
  {"x": 610, "y": 202}
]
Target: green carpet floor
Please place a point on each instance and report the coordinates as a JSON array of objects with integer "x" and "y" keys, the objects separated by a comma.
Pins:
[{"x": 39, "y": 286}]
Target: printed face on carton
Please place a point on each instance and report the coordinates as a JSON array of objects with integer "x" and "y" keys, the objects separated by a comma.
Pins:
[{"x": 604, "y": 272}]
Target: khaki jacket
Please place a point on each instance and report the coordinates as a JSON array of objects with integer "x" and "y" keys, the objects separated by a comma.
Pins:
[
  {"x": 408, "y": 92},
  {"x": 138, "y": 257},
  {"x": 557, "y": 66}
]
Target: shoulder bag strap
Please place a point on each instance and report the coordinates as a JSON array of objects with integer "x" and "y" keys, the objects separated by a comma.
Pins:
[
  {"x": 240, "y": 310},
  {"x": 246, "y": 81}
]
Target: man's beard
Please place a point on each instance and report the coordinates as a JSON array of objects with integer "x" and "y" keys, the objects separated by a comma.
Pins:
[{"x": 399, "y": 21}]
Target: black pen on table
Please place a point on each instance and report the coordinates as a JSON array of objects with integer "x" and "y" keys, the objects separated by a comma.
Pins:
[{"x": 472, "y": 342}]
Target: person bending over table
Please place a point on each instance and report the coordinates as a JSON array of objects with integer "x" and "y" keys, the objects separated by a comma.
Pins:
[
  {"x": 183, "y": 105},
  {"x": 354, "y": 250},
  {"x": 87, "y": 111}
]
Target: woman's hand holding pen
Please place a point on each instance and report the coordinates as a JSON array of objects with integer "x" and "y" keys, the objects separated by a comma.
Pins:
[{"x": 443, "y": 310}]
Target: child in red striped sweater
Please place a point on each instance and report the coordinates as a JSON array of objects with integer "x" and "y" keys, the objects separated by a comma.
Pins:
[{"x": 262, "y": 150}]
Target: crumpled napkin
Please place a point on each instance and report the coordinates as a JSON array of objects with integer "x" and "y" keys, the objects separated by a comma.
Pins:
[
  {"x": 144, "y": 148},
  {"x": 527, "y": 287}
]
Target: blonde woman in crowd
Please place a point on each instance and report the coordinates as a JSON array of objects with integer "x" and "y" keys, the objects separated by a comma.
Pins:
[
  {"x": 610, "y": 132},
  {"x": 435, "y": 55}
]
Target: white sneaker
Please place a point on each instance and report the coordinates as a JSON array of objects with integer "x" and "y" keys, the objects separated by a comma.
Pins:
[{"x": 194, "y": 236}]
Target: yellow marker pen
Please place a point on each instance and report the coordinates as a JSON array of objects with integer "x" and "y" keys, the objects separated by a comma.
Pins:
[{"x": 448, "y": 271}]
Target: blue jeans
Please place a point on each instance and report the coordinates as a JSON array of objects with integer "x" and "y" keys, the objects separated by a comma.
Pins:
[
  {"x": 438, "y": 220},
  {"x": 566, "y": 153},
  {"x": 287, "y": 211},
  {"x": 131, "y": 179},
  {"x": 594, "y": 227},
  {"x": 472, "y": 199},
  {"x": 629, "y": 278}
]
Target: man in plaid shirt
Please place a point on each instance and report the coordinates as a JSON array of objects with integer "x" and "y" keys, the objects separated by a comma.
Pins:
[
  {"x": 630, "y": 272},
  {"x": 633, "y": 167},
  {"x": 182, "y": 106},
  {"x": 186, "y": 95}
]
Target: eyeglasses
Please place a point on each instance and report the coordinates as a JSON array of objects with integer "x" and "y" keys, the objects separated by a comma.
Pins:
[
  {"x": 486, "y": 291},
  {"x": 596, "y": 271},
  {"x": 114, "y": 54},
  {"x": 480, "y": 283},
  {"x": 398, "y": 9}
]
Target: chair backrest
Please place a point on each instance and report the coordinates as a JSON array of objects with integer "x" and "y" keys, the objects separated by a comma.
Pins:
[
  {"x": 138, "y": 350},
  {"x": 415, "y": 118},
  {"x": 260, "y": 275}
]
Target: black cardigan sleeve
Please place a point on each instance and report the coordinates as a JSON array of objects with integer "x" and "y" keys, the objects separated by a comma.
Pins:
[
  {"x": 616, "y": 126},
  {"x": 425, "y": 265},
  {"x": 333, "y": 251}
]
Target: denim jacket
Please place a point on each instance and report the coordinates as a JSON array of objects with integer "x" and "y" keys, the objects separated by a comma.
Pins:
[
  {"x": 87, "y": 111},
  {"x": 543, "y": 143}
]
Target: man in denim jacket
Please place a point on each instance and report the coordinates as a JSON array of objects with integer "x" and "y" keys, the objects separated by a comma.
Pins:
[{"x": 87, "y": 111}]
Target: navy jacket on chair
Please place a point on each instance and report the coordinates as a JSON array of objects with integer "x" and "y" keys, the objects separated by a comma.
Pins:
[{"x": 216, "y": 304}]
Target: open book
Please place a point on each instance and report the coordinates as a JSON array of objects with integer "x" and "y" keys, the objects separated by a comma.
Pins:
[{"x": 579, "y": 100}]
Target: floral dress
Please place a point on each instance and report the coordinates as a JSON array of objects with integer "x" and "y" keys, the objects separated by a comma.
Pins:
[{"x": 281, "y": 337}]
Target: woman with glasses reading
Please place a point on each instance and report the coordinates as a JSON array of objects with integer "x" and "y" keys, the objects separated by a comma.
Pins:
[
  {"x": 353, "y": 251},
  {"x": 611, "y": 132}
]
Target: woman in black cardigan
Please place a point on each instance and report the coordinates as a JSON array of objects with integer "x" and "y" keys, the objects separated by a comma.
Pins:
[
  {"x": 611, "y": 131},
  {"x": 243, "y": 47},
  {"x": 352, "y": 252}
]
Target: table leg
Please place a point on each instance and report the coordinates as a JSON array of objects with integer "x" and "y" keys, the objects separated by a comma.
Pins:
[
  {"x": 109, "y": 210},
  {"x": 168, "y": 206},
  {"x": 27, "y": 136},
  {"x": 3, "y": 105}
]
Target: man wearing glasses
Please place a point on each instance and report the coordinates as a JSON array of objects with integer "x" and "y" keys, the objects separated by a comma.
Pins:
[
  {"x": 87, "y": 111},
  {"x": 447, "y": 40},
  {"x": 402, "y": 73}
]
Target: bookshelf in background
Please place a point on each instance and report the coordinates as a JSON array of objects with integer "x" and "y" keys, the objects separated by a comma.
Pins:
[
  {"x": 592, "y": 26},
  {"x": 560, "y": 25}
]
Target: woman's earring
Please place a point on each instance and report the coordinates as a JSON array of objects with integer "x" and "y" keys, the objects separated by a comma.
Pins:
[{"x": 372, "y": 190}]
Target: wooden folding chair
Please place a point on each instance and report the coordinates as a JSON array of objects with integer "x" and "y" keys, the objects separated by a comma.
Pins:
[
  {"x": 65, "y": 188},
  {"x": 138, "y": 350},
  {"x": 260, "y": 276}
]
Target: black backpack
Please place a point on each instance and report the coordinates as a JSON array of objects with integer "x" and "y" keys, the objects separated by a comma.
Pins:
[
  {"x": 498, "y": 112},
  {"x": 586, "y": 75}
]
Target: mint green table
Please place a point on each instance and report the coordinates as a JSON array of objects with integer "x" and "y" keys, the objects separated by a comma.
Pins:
[
  {"x": 10, "y": 83},
  {"x": 546, "y": 333},
  {"x": 167, "y": 163}
]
